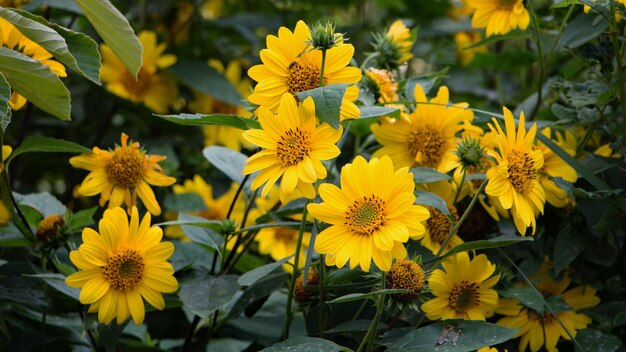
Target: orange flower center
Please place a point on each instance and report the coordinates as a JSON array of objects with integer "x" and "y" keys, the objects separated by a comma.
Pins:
[
  {"x": 406, "y": 274},
  {"x": 137, "y": 88},
  {"x": 49, "y": 227},
  {"x": 303, "y": 76},
  {"x": 438, "y": 224},
  {"x": 521, "y": 171},
  {"x": 211, "y": 214},
  {"x": 464, "y": 296},
  {"x": 124, "y": 270},
  {"x": 293, "y": 146},
  {"x": 126, "y": 167},
  {"x": 507, "y": 5},
  {"x": 285, "y": 234},
  {"x": 427, "y": 146},
  {"x": 545, "y": 318},
  {"x": 366, "y": 215}
]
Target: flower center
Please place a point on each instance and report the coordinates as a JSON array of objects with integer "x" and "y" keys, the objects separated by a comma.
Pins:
[
  {"x": 366, "y": 215},
  {"x": 211, "y": 214},
  {"x": 406, "y": 274},
  {"x": 293, "y": 146},
  {"x": 303, "y": 76},
  {"x": 507, "y": 4},
  {"x": 521, "y": 171},
  {"x": 49, "y": 227},
  {"x": 136, "y": 87},
  {"x": 427, "y": 146},
  {"x": 124, "y": 270},
  {"x": 285, "y": 234},
  {"x": 546, "y": 318},
  {"x": 438, "y": 224},
  {"x": 126, "y": 167},
  {"x": 219, "y": 107},
  {"x": 464, "y": 296}
]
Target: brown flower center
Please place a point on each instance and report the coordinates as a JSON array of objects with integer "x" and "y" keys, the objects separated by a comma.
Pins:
[
  {"x": 126, "y": 167},
  {"x": 49, "y": 226},
  {"x": 124, "y": 270},
  {"x": 366, "y": 215},
  {"x": 438, "y": 224},
  {"x": 464, "y": 296},
  {"x": 136, "y": 87},
  {"x": 219, "y": 107},
  {"x": 521, "y": 171},
  {"x": 427, "y": 146},
  {"x": 507, "y": 5},
  {"x": 285, "y": 234},
  {"x": 545, "y": 318},
  {"x": 406, "y": 274},
  {"x": 211, "y": 214},
  {"x": 293, "y": 146},
  {"x": 303, "y": 76}
]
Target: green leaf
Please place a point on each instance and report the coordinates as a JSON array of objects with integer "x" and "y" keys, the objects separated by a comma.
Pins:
[
  {"x": 570, "y": 243},
  {"x": 595, "y": 340},
  {"x": 228, "y": 161},
  {"x": 35, "y": 82},
  {"x": 203, "y": 236},
  {"x": 184, "y": 202},
  {"x": 115, "y": 30},
  {"x": 75, "y": 50},
  {"x": 526, "y": 296},
  {"x": 432, "y": 200},
  {"x": 204, "y": 78},
  {"x": 327, "y": 101},
  {"x": 427, "y": 82},
  {"x": 58, "y": 282},
  {"x": 58, "y": 4},
  {"x": 45, "y": 203},
  {"x": 427, "y": 175},
  {"x": 205, "y": 295},
  {"x": 496, "y": 38},
  {"x": 580, "y": 31},
  {"x": 258, "y": 290},
  {"x": 305, "y": 343},
  {"x": 359, "y": 325},
  {"x": 82, "y": 218},
  {"x": 41, "y": 144},
  {"x": 500, "y": 241},
  {"x": 212, "y": 120},
  {"x": 10, "y": 236},
  {"x": 256, "y": 274},
  {"x": 359, "y": 296},
  {"x": 5, "y": 110},
  {"x": 453, "y": 336},
  {"x": 378, "y": 111}
]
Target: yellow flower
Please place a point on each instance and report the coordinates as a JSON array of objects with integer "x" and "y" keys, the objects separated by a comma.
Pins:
[
  {"x": 463, "y": 289},
  {"x": 400, "y": 37},
  {"x": 406, "y": 274},
  {"x": 122, "y": 174},
  {"x": 13, "y": 39},
  {"x": 465, "y": 39},
  {"x": 539, "y": 329},
  {"x": 618, "y": 17},
  {"x": 280, "y": 242},
  {"x": 290, "y": 65},
  {"x": 427, "y": 136},
  {"x": 554, "y": 166},
  {"x": 459, "y": 9},
  {"x": 204, "y": 104},
  {"x": 383, "y": 84},
  {"x": 5, "y": 214},
  {"x": 120, "y": 265},
  {"x": 293, "y": 148},
  {"x": 499, "y": 16},
  {"x": 371, "y": 215},
  {"x": 155, "y": 90},
  {"x": 438, "y": 224},
  {"x": 514, "y": 180},
  {"x": 606, "y": 151}
]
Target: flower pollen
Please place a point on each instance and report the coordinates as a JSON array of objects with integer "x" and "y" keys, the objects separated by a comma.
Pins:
[
  {"x": 366, "y": 215},
  {"x": 124, "y": 270},
  {"x": 136, "y": 87},
  {"x": 521, "y": 171},
  {"x": 126, "y": 167},
  {"x": 302, "y": 76},
  {"x": 438, "y": 224},
  {"x": 464, "y": 296},
  {"x": 285, "y": 234},
  {"x": 406, "y": 274},
  {"x": 49, "y": 227},
  {"x": 427, "y": 146},
  {"x": 293, "y": 146}
]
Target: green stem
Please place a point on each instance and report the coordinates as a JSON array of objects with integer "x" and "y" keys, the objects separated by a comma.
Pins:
[
  {"x": 322, "y": 68},
  {"x": 619, "y": 63},
  {"x": 294, "y": 275},
  {"x": 370, "y": 336},
  {"x": 368, "y": 59},
  {"x": 583, "y": 142},
  {"x": 541, "y": 60}
]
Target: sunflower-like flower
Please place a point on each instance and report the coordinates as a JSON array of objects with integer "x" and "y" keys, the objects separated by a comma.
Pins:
[
  {"x": 121, "y": 265},
  {"x": 122, "y": 174},
  {"x": 371, "y": 215},
  {"x": 438, "y": 224},
  {"x": 12, "y": 38},
  {"x": 394, "y": 47},
  {"x": 382, "y": 83},
  {"x": 293, "y": 148},
  {"x": 554, "y": 166},
  {"x": 425, "y": 137},
  {"x": 5, "y": 214},
  {"x": 537, "y": 329},
  {"x": 406, "y": 274},
  {"x": 280, "y": 242},
  {"x": 463, "y": 40},
  {"x": 154, "y": 89},
  {"x": 514, "y": 180},
  {"x": 291, "y": 65},
  {"x": 463, "y": 289},
  {"x": 499, "y": 16},
  {"x": 223, "y": 135}
]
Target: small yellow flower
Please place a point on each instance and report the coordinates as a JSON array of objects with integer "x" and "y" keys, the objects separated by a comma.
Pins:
[
  {"x": 463, "y": 289},
  {"x": 122, "y": 174},
  {"x": 293, "y": 148},
  {"x": 372, "y": 215},
  {"x": 499, "y": 16},
  {"x": 122, "y": 264},
  {"x": 400, "y": 36},
  {"x": 155, "y": 90},
  {"x": 406, "y": 274},
  {"x": 554, "y": 166},
  {"x": 383, "y": 84}
]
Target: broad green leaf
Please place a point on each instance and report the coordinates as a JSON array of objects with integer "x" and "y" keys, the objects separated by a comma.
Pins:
[
  {"x": 327, "y": 101},
  {"x": 58, "y": 282},
  {"x": 212, "y": 120},
  {"x": 258, "y": 290},
  {"x": 41, "y": 144},
  {"x": 360, "y": 325},
  {"x": 570, "y": 242},
  {"x": 427, "y": 175},
  {"x": 45, "y": 203},
  {"x": 81, "y": 218},
  {"x": 306, "y": 343},
  {"x": 228, "y": 161},
  {"x": 526, "y": 296},
  {"x": 10, "y": 236},
  {"x": 256, "y": 274},
  {"x": 184, "y": 202},
  {"x": 359, "y": 296},
  {"x": 57, "y": 4},
  {"x": 378, "y": 111},
  {"x": 432, "y": 200},
  {"x": 53, "y": 39},
  {"x": 204, "y": 78},
  {"x": 205, "y": 295},
  {"x": 115, "y": 30},
  {"x": 597, "y": 341},
  {"x": 453, "y": 336},
  {"x": 5, "y": 110},
  {"x": 35, "y": 82},
  {"x": 580, "y": 31},
  {"x": 500, "y": 241},
  {"x": 203, "y": 236}
]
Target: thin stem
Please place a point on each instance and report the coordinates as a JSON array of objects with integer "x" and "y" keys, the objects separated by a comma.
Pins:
[
  {"x": 541, "y": 60},
  {"x": 247, "y": 244},
  {"x": 360, "y": 310},
  {"x": 322, "y": 68},
  {"x": 190, "y": 333},
  {"x": 368, "y": 59},
  {"x": 370, "y": 336},
  {"x": 294, "y": 275},
  {"x": 460, "y": 186},
  {"x": 583, "y": 142},
  {"x": 232, "y": 204}
]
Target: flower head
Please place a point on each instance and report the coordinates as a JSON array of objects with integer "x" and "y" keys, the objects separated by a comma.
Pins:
[
  {"x": 439, "y": 224},
  {"x": 463, "y": 289},
  {"x": 49, "y": 227},
  {"x": 499, "y": 16},
  {"x": 300, "y": 290},
  {"x": 371, "y": 215},
  {"x": 514, "y": 178},
  {"x": 121, "y": 264},
  {"x": 394, "y": 47},
  {"x": 155, "y": 90},
  {"x": 122, "y": 174},
  {"x": 323, "y": 36},
  {"x": 383, "y": 84},
  {"x": 406, "y": 274},
  {"x": 290, "y": 65},
  {"x": 293, "y": 148},
  {"x": 554, "y": 166}
]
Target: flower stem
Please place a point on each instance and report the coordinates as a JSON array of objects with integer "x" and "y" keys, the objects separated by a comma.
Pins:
[
  {"x": 460, "y": 186},
  {"x": 322, "y": 68},
  {"x": 294, "y": 275},
  {"x": 368, "y": 340}
]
